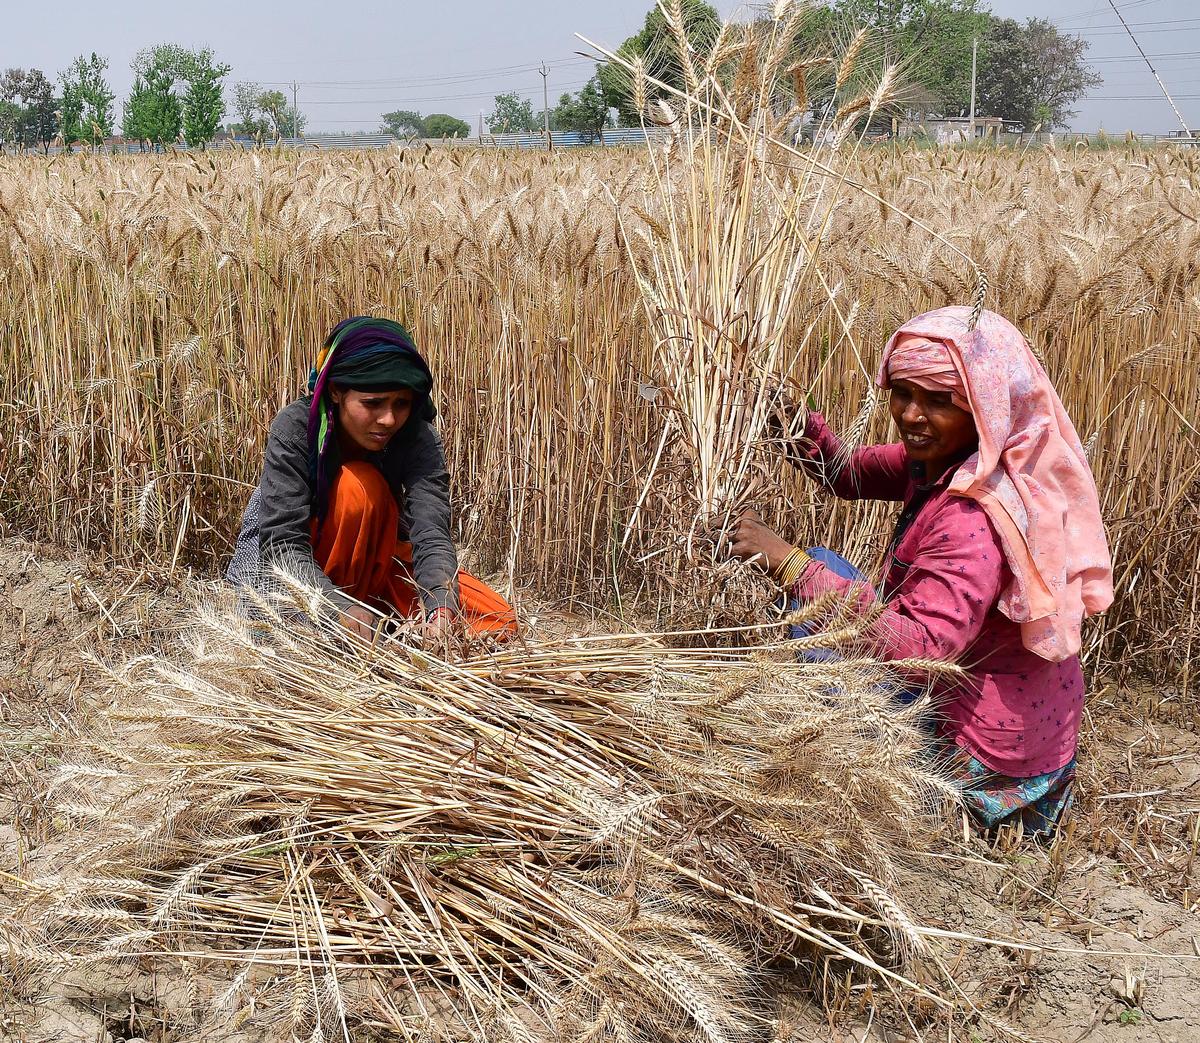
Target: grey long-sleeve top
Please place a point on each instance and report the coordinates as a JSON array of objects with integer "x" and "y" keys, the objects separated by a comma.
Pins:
[{"x": 276, "y": 524}]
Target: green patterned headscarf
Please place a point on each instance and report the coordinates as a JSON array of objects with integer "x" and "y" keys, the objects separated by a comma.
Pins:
[{"x": 361, "y": 353}]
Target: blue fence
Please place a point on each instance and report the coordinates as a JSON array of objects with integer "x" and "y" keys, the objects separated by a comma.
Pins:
[
  {"x": 615, "y": 137},
  {"x": 572, "y": 139}
]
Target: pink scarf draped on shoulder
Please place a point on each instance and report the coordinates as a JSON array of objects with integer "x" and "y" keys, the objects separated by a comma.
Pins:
[{"x": 1030, "y": 474}]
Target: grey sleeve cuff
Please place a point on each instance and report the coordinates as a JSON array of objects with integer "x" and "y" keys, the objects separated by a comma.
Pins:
[{"x": 442, "y": 597}]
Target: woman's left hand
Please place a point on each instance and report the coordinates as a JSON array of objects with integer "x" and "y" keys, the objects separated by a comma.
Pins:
[
  {"x": 437, "y": 630},
  {"x": 752, "y": 538}
]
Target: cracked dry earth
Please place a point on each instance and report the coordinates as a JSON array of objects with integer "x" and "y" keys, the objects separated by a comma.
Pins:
[{"x": 1111, "y": 917}]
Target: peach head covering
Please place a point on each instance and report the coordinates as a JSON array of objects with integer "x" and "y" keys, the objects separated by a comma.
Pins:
[{"x": 1030, "y": 474}]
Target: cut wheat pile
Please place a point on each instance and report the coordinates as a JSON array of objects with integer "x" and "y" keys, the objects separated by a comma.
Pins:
[{"x": 588, "y": 839}]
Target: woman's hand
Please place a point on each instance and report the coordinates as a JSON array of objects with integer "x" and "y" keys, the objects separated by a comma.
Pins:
[
  {"x": 437, "y": 631},
  {"x": 786, "y": 424},
  {"x": 360, "y": 621},
  {"x": 439, "y": 623},
  {"x": 785, "y": 413},
  {"x": 751, "y": 538}
]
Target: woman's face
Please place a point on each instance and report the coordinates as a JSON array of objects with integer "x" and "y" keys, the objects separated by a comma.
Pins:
[
  {"x": 368, "y": 420},
  {"x": 934, "y": 430}
]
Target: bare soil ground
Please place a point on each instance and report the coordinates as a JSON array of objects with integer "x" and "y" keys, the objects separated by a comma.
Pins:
[{"x": 1110, "y": 914}]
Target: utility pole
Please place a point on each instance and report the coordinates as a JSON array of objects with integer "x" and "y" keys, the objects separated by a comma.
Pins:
[
  {"x": 294, "y": 109},
  {"x": 1178, "y": 114},
  {"x": 974, "y": 68},
  {"x": 546, "y": 106}
]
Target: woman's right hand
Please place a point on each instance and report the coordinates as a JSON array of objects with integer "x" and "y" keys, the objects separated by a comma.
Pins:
[
  {"x": 751, "y": 539},
  {"x": 360, "y": 621}
]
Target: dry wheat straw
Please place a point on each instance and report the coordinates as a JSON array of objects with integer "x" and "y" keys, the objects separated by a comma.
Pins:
[{"x": 540, "y": 835}]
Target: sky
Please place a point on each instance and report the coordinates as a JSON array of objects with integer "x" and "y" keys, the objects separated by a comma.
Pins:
[{"x": 352, "y": 61}]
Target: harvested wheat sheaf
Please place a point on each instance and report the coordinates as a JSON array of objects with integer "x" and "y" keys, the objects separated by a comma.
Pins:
[{"x": 591, "y": 838}]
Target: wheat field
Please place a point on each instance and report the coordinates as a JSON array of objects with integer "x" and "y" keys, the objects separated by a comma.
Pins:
[{"x": 158, "y": 310}]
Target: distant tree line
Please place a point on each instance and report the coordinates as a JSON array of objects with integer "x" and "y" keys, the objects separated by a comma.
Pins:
[
  {"x": 585, "y": 113},
  {"x": 405, "y": 123},
  {"x": 1029, "y": 72},
  {"x": 177, "y": 95},
  {"x": 265, "y": 114}
]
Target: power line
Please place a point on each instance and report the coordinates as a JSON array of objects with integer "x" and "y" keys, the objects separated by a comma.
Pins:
[
  {"x": 1080, "y": 14},
  {"x": 1140, "y": 83},
  {"x": 1117, "y": 31},
  {"x": 1129, "y": 5},
  {"x": 390, "y": 61},
  {"x": 1167, "y": 56},
  {"x": 1098, "y": 9},
  {"x": 417, "y": 81},
  {"x": 1153, "y": 71},
  {"x": 1105, "y": 29},
  {"x": 339, "y": 122},
  {"x": 1138, "y": 97},
  {"x": 407, "y": 99},
  {"x": 398, "y": 86}
]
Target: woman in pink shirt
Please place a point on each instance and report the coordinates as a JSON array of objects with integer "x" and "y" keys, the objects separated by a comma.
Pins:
[{"x": 998, "y": 554}]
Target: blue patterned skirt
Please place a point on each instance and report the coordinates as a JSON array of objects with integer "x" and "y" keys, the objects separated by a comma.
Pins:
[{"x": 1038, "y": 803}]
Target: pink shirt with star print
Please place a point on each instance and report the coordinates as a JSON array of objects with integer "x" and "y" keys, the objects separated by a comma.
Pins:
[{"x": 1016, "y": 712}]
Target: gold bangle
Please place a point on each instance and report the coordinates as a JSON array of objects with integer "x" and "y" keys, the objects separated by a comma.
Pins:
[
  {"x": 802, "y": 561},
  {"x": 790, "y": 568}
]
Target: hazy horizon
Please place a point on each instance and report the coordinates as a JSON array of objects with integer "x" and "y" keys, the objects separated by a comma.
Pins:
[{"x": 352, "y": 64}]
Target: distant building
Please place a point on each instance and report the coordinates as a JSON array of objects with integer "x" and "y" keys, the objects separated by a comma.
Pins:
[{"x": 949, "y": 130}]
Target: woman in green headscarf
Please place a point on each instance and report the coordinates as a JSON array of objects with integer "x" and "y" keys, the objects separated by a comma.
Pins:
[{"x": 354, "y": 497}]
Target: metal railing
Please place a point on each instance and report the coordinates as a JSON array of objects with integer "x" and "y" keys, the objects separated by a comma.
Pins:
[{"x": 612, "y": 137}]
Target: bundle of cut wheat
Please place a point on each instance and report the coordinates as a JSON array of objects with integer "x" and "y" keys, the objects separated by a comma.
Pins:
[
  {"x": 588, "y": 838},
  {"x": 735, "y": 222}
]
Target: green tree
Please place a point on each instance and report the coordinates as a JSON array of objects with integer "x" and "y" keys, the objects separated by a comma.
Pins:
[
  {"x": 1032, "y": 73},
  {"x": 204, "y": 102},
  {"x": 87, "y": 100},
  {"x": 655, "y": 45},
  {"x": 273, "y": 105},
  {"x": 159, "y": 110},
  {"x": 33, "y": 108},
  {"x": 135, "y": 124},
  {"x": 403, "y": 123},
  {"x": 586, "y": 113},
  {"x": 439, "y": 125},
  {"x": 70, "y": 110},
  {"x": 511, "y": 115},
  {"x": 163, "y": 112},
  {"x": 286, "y": 121},
  {"x": 931, "y": 37},
  {"x": 12, "y": 117},
  {"x": 98, "y": 99},
  {"x": 168, "y": 57},
  {"x": 251, "y": 120}
]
